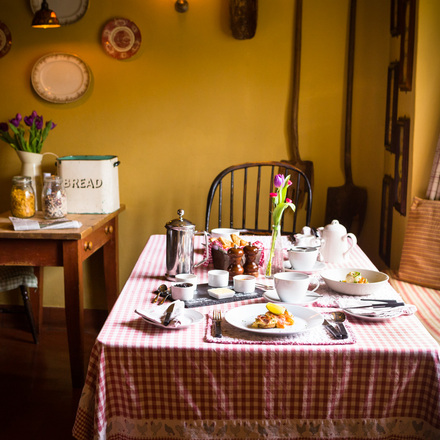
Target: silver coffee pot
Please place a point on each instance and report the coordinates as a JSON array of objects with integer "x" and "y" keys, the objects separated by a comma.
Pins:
[{"x": 180, "y": 246}]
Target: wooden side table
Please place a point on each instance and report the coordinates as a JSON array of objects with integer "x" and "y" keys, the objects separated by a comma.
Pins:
[{"x": 67, "y": 248}]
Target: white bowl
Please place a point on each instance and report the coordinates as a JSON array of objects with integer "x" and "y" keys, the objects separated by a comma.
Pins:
[
  {"x": 183, "y": 291},
  {"x": 334, "y": 279},
  {"x": 224, "y": 232}
]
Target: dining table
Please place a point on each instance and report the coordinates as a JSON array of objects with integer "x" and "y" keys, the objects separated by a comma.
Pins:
[{"x": 147, "y": 381}]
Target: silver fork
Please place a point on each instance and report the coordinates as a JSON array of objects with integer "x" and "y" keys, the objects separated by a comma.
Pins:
[{"x": 217, "y": 318}]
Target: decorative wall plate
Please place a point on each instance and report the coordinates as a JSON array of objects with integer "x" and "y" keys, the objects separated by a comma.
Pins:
[
  {"x": 5, "y": 39},
  {"x": 60, "y": 78},
  {"x": 121, "y": 38},
  {"x": 68, "y": 11}
]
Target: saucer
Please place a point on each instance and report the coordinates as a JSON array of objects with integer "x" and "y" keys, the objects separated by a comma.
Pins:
[
  {"x": 319, "y": 265},
  {"x": 272, "y": 296}
]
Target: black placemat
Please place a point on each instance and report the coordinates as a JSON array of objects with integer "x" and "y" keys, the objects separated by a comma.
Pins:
[{"x": 202, "y": 298}]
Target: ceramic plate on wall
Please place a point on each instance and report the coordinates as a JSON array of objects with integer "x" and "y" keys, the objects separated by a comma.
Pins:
[
  {"x": 121, "y": 38},
  {"x": 68, "y": 11},
  {"x": 5, "y": 39},
  {"x": 60, "y": 78}
]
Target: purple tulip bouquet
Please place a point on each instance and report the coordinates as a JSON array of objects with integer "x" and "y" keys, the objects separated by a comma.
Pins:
[
  {"x": 21, "y": 138},
  {"x": 280, "y": 204}
]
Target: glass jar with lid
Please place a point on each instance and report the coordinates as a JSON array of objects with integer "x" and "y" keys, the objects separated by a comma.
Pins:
[
  {"x": 22, "y": 197},
  {"x": 54, "y": 199}
]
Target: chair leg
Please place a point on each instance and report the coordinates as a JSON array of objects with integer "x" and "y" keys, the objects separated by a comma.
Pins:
[{"x": 30, "y": 315}]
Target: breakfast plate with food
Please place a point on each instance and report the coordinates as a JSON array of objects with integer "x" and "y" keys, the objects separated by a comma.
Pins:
[{"x": 273, "y": 319}]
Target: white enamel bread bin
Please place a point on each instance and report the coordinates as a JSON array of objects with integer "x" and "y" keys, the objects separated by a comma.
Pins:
[{"x": 91, "y": 183}]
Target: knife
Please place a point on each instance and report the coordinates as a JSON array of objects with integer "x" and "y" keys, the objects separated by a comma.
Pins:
[
  {"x": 333, "y": 331},
  {"x": 343, "y": 330},
  {"x": 167, "y": 319},
  {"x": 378, "y": 306}
]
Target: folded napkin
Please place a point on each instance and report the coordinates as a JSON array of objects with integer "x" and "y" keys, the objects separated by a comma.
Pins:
[
  {"x": 26, "y": 224},
  {"x": 315, "y": 336},
  {"x": 157, "y": 313},
  {"x": 375, "y": 312}
]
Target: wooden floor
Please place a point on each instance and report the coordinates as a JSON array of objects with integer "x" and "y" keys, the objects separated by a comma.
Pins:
[{"x": 36, "y": 397}]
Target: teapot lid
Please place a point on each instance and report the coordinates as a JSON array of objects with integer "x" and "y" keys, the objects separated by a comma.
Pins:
[
  {"x": 180, "y": 223},
  {"x": 335, "y": 226}
]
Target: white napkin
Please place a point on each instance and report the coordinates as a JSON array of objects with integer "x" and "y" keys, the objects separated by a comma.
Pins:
[
  {"x": 157, "y": 313},
  {"x": 379, "y": 312},
  {"x": 25, "y": 224}
]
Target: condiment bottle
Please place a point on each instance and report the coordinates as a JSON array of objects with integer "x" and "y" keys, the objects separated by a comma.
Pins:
[
  {"x": 235, "y": 259},
  {"x": 250, "y": 266},
  {"x": 22, "y": 197},
  {"x": 54, "y": 199}
]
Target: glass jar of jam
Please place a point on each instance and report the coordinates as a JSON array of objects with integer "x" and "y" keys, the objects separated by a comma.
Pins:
[
  {"x": 22, "y": 197},
  {"x": 53, "y": 197}
]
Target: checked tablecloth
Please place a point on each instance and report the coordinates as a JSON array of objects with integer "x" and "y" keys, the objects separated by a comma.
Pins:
[{"x": 144, "y": 382}]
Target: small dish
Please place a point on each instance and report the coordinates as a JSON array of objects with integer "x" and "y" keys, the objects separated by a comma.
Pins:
[
  {"x": 319, "y": 265},
  {"x": 121, "y": 38},
  {"x": 60, "y": 78},
  {"x": 189, "y": 317},
  {"x": 376, "y": 281},
  {"x": 272, "y": 296},
  {"x": 183, "y": 291}
]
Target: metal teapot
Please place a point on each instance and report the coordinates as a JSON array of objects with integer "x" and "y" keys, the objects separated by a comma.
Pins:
[
  {"x": 180, "y": 246},
  {"x": 335, "y": 246}
]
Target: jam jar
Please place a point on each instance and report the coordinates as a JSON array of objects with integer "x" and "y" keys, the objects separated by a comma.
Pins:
[
  {"x": 54, "y": 199},
  {"x": 22, "y": 197}
]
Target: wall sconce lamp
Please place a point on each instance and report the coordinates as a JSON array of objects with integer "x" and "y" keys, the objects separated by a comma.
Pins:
[
  {"x": 45, "y": 18},
  {"x": 181, "y": 5}
]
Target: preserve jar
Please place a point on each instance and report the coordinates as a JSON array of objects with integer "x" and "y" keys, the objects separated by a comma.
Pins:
[
  {"x": 54, "y": 199},
  {"x": 22, "y": 197}
]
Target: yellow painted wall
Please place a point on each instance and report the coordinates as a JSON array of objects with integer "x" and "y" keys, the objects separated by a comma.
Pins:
[{"x": 194, "y": 100}]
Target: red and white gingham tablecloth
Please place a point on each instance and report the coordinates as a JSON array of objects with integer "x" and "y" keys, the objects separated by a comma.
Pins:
[{"x": 144, "y": 382}]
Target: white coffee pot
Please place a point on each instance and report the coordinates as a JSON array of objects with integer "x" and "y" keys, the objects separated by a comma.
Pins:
[{"x": 335, "y": 245}]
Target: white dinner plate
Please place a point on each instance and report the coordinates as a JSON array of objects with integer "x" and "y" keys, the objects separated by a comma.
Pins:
[
  {"x": 319, "y": 265},
  {"x": 190, "y": 317},
  {"x": 243, "y": 317},
  {"x": 60, "y": 77},
  {"x": 67, "y": 11},
  {"x": 272, "y": 296}
]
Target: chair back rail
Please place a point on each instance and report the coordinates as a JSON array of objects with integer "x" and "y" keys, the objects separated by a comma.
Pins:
[{"x": 246, "y": 189}]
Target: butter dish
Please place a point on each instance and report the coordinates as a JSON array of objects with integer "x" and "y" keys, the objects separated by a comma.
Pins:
[{"x": 221, "y": 293}]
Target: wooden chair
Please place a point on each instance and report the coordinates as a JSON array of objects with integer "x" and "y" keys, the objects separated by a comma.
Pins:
[
  {"x": 23, "y": 278},
  {"x": 239, "y": 198}
]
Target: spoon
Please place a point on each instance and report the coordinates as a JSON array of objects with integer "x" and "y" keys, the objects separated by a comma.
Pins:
[
  {"x": 339, "y": 318},
  {"x": 162, "y": 288}
]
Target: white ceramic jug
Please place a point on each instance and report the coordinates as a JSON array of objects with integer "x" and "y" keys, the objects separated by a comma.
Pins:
[{"x": 335, "y": 246}]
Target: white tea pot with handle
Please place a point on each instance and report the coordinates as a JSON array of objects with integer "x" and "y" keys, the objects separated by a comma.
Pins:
[{"x": 335, "y": 246}]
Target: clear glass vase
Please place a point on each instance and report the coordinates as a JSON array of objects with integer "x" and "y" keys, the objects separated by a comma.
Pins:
[{"x": 275, "y": 259}]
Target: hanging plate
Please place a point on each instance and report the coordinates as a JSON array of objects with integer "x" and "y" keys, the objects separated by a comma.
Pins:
[
  {"x": 68, "y": 11},
  {"x": 121, "y": 38},
  {"x": 5, "y": 39},
  {"x": 60, "y": 78}
]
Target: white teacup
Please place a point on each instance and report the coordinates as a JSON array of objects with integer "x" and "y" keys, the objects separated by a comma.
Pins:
[
  {"x": 187, "y": 278},
  {"x": 244, "y": 283},
  {"x": 303, "y": 258},
  {"x": 218, "y": 278},
  {"x": 292, "y": 287}
]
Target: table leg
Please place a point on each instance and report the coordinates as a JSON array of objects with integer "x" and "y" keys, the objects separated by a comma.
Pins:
[
  {"x": 74, "y": 306},
  {"x": 37, "y": 299},
  {"x": 111, "y": 263}
]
